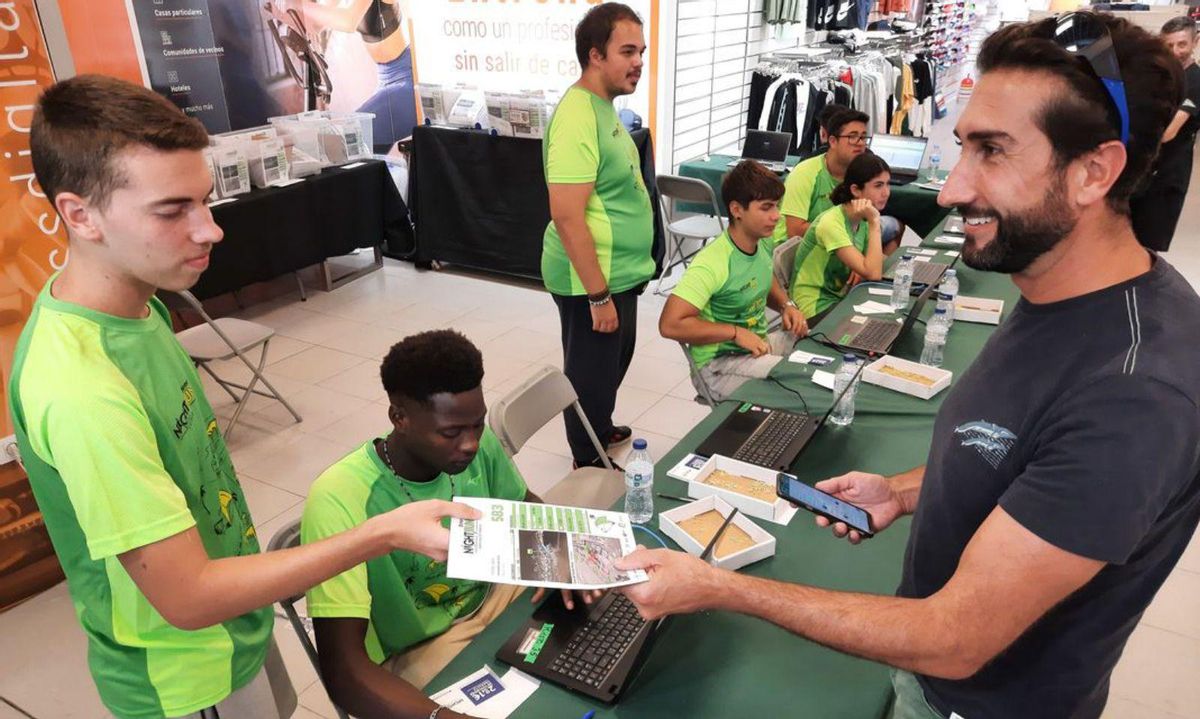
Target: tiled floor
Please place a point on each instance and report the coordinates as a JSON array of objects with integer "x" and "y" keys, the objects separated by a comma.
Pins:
[{"x": 325, "y": 360}]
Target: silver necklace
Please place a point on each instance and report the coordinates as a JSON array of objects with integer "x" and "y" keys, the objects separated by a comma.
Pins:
[{"x": 387, "y": 460}]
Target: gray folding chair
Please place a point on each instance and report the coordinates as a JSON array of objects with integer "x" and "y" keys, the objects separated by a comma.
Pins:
[
  {"x": 784, "y": 260},
  {"x": 222, "y": 339},
  {"x": 285, "y": 538},
  {"x": 705, "y": 395},
  {"x": 521, "y": 413},
  {"x": 673, "y": 189}
]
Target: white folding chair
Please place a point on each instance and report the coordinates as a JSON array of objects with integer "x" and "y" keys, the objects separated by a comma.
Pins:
[
  {"x": 705, "y": 395},
  {"x": 223, "y": 339},
  {"x": 673, "y": 189},
  {"x": 286, "y": 538},
  {"x": 521, "y": 413}
]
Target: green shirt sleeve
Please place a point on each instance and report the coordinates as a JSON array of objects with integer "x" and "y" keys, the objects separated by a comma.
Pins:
[
  {"x": 572, "y": 149},
  {"x": 503, "y": 478},
  {"x": 702, "y": 279},
  {"x": 831, "y": 231},
  {"x": 326, "y": 513},
  {"x": 798, "y": 190},
  {"x": 101, "y": 442}
]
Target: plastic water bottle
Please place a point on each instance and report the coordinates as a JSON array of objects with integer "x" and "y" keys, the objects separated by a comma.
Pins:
[
  {"x": 935, "y": 160},
  {"x": 949, "y": 286},
  {"x": 946, "y": 306},
  {"x": 902, "y": 282},
  {"x": 935, "y": 339},
  {"x": 639, "y": 484},
  {"x": 843, "y": 414}
]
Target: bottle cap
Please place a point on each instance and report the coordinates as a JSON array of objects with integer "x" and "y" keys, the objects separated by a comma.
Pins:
[
  {"x": 849, "y": 358},
  {"x": 639, "y": 443},
  {"x": 905, "y": 257}
]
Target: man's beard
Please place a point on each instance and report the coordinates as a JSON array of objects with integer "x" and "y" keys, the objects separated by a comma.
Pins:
[{"x": 1021, "y": 238}]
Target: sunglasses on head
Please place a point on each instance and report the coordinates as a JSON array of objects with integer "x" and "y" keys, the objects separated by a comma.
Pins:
[{"x": 1085, "y": 36}]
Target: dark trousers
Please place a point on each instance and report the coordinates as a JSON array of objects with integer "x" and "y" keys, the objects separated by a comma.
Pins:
[{"x": 595, "y": 363}]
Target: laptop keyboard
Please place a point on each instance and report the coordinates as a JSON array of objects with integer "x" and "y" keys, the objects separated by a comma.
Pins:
[
  {"x": 772, "y": 437},
  {"x": 598, "y": 645},
  {"x": 875, "y": 335}
]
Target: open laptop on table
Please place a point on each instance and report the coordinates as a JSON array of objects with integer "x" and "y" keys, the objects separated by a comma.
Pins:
[
  {"x": 769, "y": 148},
  {"x": 595, "y": 650},
  {"x": 902, "y": 153},
  {"x": 924, "y": 273},
  {"x": 871, "y": 335}
]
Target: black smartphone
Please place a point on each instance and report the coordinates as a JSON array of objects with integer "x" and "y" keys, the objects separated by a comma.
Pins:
[{"x": 824, "y": 504}]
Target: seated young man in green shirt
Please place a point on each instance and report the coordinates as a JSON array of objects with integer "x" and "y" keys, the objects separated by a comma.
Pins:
[
  {"x": 808, "y": 184},
  {"x": 121, "y": 445},
  {"x": 845, "y": 241},
  {"x": 719, "y": 305},
  {"x": 386, "y": 627}
]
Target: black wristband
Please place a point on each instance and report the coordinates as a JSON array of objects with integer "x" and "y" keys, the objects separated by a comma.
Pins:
[{"x": 600, "y": 296}]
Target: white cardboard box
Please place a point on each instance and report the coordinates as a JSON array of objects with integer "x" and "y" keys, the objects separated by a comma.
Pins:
[
  {"x": 978, "y": 309},
  {"x": 941, "y": 377},
  {"x": 764, "y": 543},
  {"x": 776, "y": 511}
]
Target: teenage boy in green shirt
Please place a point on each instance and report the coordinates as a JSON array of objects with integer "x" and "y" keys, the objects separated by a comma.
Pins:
[
  {"x": 121, "y": 446},
  {"x": 388, "y": 626},
  {"x": 809, "y": 183},
  {"x": 596, "y": 250},
  {"x": 719, "y": 306}
]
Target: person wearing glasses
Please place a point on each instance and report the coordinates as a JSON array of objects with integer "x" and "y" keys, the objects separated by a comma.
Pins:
[
  {"x": 1063, "y": 480},
  {"x": 808, "y": 185},
  {"x": 1157, "y": 207},
  {"x": 845, "y": 241}
]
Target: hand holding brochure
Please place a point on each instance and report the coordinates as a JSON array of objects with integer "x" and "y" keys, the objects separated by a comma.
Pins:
[{"x": 541, "y": 545}]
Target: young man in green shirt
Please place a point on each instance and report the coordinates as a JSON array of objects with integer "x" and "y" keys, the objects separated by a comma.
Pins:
[
  {"x": 596, "y": 250},
  {"x": 719, "y": 306},
  {"x": 386, "y": 627},
  {"x": 121, "y": 446}
]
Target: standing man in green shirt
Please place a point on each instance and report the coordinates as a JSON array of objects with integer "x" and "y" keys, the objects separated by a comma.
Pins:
[
  {"x": 719, "y": 306},
  {"x": 596, "y": 250},
  {"x": 121, "y": 446}
]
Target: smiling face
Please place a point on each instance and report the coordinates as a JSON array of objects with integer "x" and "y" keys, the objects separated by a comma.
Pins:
[
  {"x": 155, "y": 229},
  {"x": 621, "y": 66},
  {"x": 1008, "y": 184}
]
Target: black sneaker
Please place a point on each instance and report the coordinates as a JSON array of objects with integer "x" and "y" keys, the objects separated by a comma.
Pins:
[
  {"x": 620, "y": 435},
  {"x": 598, "y": 464}
]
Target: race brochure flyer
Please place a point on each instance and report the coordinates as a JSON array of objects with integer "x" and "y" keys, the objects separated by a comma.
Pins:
[{"x": 541, "y": 545}]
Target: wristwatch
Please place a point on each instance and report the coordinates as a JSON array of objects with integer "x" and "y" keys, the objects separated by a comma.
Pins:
[{"x": 792, "y": 305}]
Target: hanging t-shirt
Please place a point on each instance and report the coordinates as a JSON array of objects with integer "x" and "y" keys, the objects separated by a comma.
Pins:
[
  {"x": 806, "y": 193},
  {"x": 820, "y": 278},
  {"x": 730, "y": 287},
  {"x": 587, "y": 143},
  {"x": 405, "y": 596},
  {"x": 122, "y": 450}
]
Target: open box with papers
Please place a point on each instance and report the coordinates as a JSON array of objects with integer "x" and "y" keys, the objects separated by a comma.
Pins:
[
  {"x": 978, "y": 309},
  {"x": 746, "y": 486},
  {"x": 905, "y": 376}
]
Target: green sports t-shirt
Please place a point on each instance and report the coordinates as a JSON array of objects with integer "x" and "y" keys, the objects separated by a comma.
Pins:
[
  {"x": 586, "y": 142},
  {"x": 406, "y": 597},
  {"x": 730, "y": 287},
  {"x": 806, "y": 193},
  {"x": 820, "y": 278},
  {"x": 122, "y": 450}
]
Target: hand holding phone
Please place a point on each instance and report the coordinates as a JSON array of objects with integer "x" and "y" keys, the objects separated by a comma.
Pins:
[{"x": 824, "y": 504}]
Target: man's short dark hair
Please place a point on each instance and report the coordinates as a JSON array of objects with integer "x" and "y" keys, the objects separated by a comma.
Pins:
[
  {"x": 81, "y": 124},
  {"x": 749, "y": 181},
  {"x": 1076, "y": 122},
  {"x": 1182, "y": 23},
  {"x": 845, "y": 117},
  {"x": 422, "y": 365},
  {"x": 827, "y": 113},
  {"x": 596, "y": 27}
]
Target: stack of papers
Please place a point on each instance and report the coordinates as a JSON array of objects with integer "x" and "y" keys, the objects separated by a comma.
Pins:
[
  {"x": 871, "y": 307},
  {"x": 487, "y": 696}
]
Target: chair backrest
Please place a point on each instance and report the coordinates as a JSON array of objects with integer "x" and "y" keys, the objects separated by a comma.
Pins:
[
  {"x": 521, "y": 413},
  {"x": 286, "y": 538},
  {"x": 688, "y": 189},
  {"x": 694, "y": 371},
  {"x": 784, "y": 260}
]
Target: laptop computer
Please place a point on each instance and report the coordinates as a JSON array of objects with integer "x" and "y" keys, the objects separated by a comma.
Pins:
[
  {"x": 595, "y": 650},
  {"x": 904, "y": 154},
  {"x": 769, "y": 148},
  {"x": 874, "y": 336},
  {"x": 924, "y": 273}
]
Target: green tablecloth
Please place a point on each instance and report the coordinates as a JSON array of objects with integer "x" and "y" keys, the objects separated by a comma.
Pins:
[
  {"x": 725, "y": 665},
  {"x": 914, "y": 206}
]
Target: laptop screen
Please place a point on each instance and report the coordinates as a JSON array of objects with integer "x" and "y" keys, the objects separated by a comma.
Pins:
[
  {"x": 766, "y": 146},
  {"x": 902, "y": 153}
]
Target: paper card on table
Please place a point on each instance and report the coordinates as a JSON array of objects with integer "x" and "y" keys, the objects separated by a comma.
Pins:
[
  {"x": 541, "y": 545},
  {"x": 485, "y": 695},
  {"x": 922, "y": 251},
  {"x": 948, "y": 240},
  {"x": 951, "y": 253},
  {"x": 821, "y": 378},
  {"x": 879, "y": 291},
  {"x": 688, "y": 468},
  {"x": 871, "y": 307},
  {"x": 802, "y": 357},
  {"x": 921, "y": 258}
]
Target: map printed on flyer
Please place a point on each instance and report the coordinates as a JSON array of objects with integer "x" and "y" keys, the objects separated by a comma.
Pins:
[{"x": 541, "y": 545}]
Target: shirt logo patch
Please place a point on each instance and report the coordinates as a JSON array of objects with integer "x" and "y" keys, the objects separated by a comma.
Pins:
[
  {"x": 991, "y": 440},
  {"x": 185, "y": 413}
]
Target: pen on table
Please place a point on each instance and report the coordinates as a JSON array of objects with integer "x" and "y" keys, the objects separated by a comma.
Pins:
[
  {"x": 671, "y": 496},
  {"x": 590, "y": 714}
]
